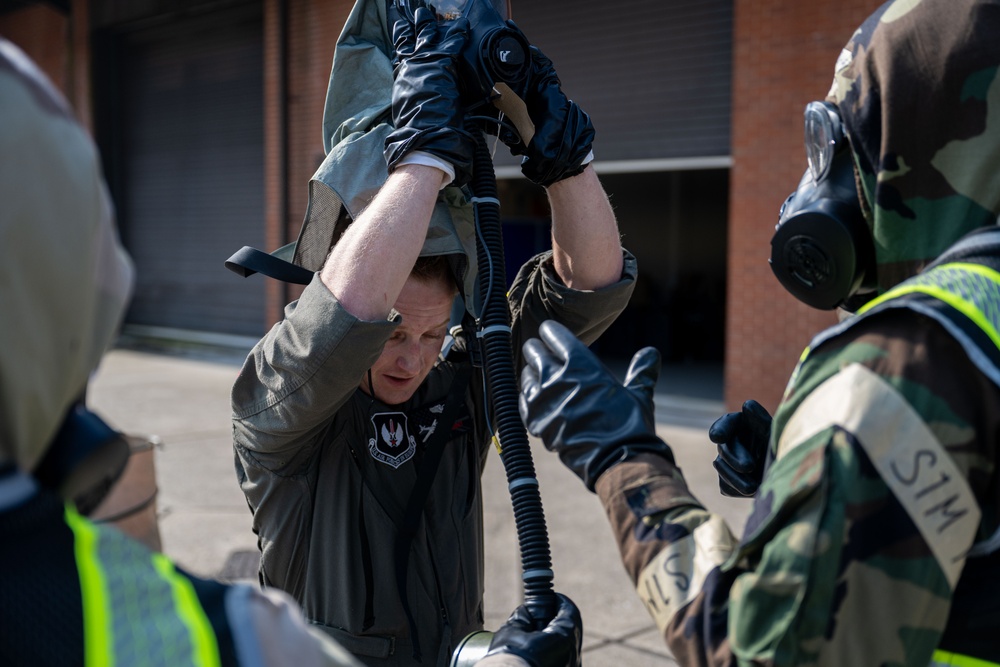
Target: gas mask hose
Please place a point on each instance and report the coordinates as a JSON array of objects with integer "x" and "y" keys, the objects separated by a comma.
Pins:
[{"x": 495, "y": 338}]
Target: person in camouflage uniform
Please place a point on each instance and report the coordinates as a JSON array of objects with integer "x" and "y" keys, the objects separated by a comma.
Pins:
[{"x": 874, "y": 530}]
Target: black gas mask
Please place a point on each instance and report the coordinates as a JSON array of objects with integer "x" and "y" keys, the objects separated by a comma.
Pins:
[
  {"x": 497, "y": 58},
  {"x": 822, "y": 250}
]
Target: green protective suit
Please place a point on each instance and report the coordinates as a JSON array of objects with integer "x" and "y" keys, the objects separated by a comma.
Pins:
[{"x": 356, "y": 121}]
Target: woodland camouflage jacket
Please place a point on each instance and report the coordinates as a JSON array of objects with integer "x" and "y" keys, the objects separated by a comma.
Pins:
[
  {"x": 882, "y": 475},
  {"x": 857, "y": 551}
]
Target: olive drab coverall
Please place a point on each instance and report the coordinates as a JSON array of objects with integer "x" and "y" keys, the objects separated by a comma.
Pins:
[{"x": 329, "y": 471}]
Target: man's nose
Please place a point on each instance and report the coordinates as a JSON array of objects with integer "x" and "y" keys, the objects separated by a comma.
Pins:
[{"x": 409, "y": 357}]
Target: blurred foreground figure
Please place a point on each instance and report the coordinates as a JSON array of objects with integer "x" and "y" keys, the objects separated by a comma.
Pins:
[{"x": 75, "y": 592}]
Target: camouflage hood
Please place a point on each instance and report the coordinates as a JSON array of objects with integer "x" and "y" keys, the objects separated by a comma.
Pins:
[
  {"x": 356, "y": 120},
  {"x": 919, "y": 92},
  {"x": 64, "y": 279}
]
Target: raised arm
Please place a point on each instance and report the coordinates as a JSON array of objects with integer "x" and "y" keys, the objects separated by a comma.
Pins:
[
  {"x": 586, "y": 248},
  {"x": 287, "y": 389},
  {"x": 368, "y": 266},
  {"x": 428, "y": 149}
]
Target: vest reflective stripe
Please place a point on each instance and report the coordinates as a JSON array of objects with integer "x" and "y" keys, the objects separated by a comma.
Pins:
[
  {"x": 97, "y": 630},
  {"x": 206, "y": 651},
  {"x": 137, "y": 608},
  {"x": 970, "y": 289},
  {"x": 945, "y": 659},
  {"x": 962, "y": 286}
]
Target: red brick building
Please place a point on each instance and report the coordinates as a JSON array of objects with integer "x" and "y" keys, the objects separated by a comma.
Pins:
[{"x": 208, "y": 114}]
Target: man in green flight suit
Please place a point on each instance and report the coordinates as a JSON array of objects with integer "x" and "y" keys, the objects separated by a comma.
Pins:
[
  {"x": 338, "y": 408},
  {"x": 875, "y": 529}
]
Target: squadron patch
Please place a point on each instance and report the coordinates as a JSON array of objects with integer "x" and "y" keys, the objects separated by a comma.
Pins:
[{"x": 392, "y": 445}]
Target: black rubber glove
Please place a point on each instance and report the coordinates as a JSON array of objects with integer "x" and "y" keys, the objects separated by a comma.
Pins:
[
  {"x": 426, "y": 111},
  {"x": 564, "y": 134},
  {"x": 558, "y": 644},
  {"x": 742, "y": 438},
  {"x": 580, "y": 410}
]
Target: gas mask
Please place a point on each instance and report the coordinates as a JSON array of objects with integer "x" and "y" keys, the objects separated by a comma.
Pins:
[
  {"x": 822, "y": 250},
  {"x": 495, "y": 64}
]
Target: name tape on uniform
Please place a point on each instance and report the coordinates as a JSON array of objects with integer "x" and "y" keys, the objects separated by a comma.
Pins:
[
  {"x": 672, "y": 579},
  {"x": 908, "y": 456}
]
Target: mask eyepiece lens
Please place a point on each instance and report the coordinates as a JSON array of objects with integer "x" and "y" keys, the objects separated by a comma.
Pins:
[{"x": 823, "y": 132}]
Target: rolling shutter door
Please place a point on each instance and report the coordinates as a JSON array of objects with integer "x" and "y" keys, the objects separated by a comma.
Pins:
[
  {"x": 653, "y": 75},
  {"x": 193, "y": 170}
]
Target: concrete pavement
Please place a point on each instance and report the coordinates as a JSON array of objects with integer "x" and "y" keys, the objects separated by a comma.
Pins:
[{"x": 204, "y": 522}]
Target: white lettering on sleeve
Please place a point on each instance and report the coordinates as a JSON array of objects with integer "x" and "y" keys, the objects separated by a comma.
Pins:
[{"x": 908, "y": 456}]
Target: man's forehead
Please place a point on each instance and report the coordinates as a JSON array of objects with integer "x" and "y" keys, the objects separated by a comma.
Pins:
[{"x": 422, "y": 310}]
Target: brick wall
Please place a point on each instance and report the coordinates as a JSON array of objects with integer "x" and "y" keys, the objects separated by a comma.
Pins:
[
  {"x": 299, "y": 41},
  {"x": 784, "y": 54},
  {"x": 42, "y": 32},
  {"x": 58, "y": 45},
  {"x": 306, "y": 31},
  {"x": 275, "y": 147},
  {"x": 783, "y": 58},
  {"x": 316, "y": 25}
]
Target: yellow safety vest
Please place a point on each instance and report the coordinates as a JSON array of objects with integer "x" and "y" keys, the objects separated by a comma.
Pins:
[
  {"x": 137, "y": 608},
  {"x": 969, "y": 288},
  {"x": 945, "y": 659}
]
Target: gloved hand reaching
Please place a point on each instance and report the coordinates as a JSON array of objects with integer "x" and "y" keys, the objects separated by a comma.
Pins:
[
  {"x": 580, "y": 410},
  {"x": 742, "y": 438},
  {"x": 426, "y": 111},
  {"x": 558, "y": 644},
  {"x": 564, "y": 134}
]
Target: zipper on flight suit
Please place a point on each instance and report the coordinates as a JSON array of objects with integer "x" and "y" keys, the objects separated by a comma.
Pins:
[
  {"x": 442, "y": 607},
  {"x": 366, "y": 552}
]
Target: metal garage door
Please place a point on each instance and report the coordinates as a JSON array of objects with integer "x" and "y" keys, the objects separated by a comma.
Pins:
[
  {"x": 653, "y": 75},
  {"x": 191, "y": 178}
]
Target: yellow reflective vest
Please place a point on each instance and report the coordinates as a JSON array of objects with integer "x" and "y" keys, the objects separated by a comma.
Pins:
[{"x": 137, "y": 608}]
